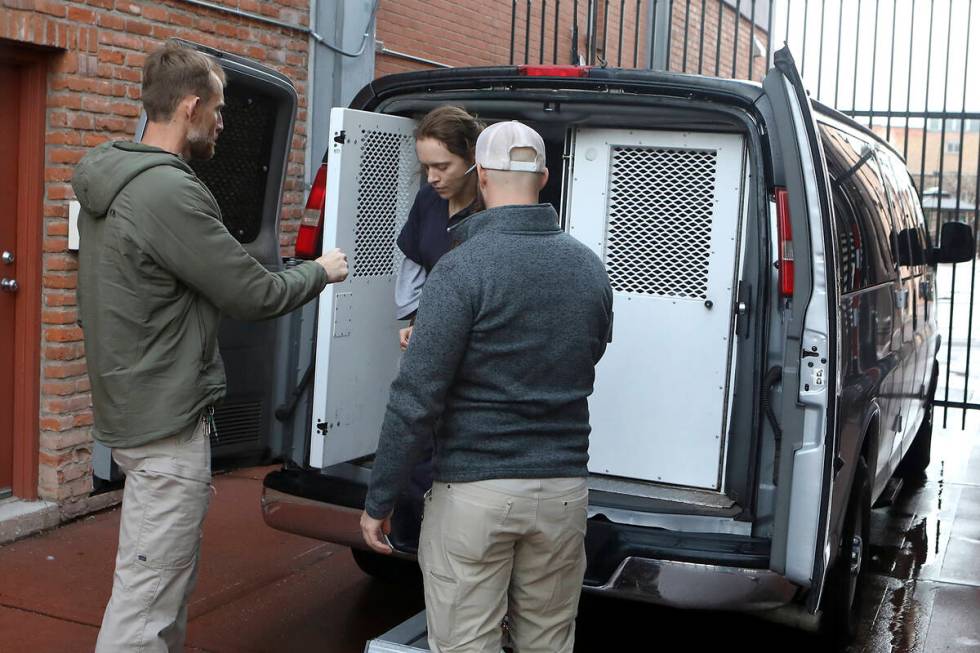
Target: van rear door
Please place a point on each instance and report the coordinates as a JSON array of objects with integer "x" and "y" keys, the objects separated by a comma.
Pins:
[
  {"x": 372, "y": 178},
  {"x": 807, "y": 410}
]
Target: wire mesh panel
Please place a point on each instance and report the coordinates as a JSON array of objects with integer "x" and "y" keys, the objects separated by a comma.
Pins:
[
  {"x": 661, "y": 202},
  {"x": 382, "y": 200},
  {"x": 662, "y": 209}
]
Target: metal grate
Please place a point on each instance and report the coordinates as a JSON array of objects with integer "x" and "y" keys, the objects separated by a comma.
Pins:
[
  {"x": 381, "y": 202},
  {"x": 239, "y": 172},
  {"x": 661, "y": 202},
  {"x": 238, "y": 422}
]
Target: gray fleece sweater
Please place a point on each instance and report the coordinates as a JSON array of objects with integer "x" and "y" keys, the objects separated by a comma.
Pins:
[{"x": 511, "y": 324}]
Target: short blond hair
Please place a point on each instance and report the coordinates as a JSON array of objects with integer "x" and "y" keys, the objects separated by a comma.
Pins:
[{"x": 171, "y": 73}]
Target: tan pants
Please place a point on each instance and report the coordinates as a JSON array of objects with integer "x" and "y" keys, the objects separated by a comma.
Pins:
[
  {"x": 512, "y": 546},
  {"x": 168, "y": 488}
]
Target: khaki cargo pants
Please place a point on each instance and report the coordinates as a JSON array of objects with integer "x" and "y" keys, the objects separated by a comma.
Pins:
[
  {"x": 511, "y": 546},
  {"x": 168, "y": 488}
]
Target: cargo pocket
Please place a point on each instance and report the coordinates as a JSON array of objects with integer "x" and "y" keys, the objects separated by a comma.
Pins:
[
  {"x": 173, "y": 511},
  {"x": 570, "y": 554}
]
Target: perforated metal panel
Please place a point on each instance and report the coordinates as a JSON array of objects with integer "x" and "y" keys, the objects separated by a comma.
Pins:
[
  {"x": 658, "y": 237},
  {"x": 381, "y": 201},
  {"x": 663, "y": 210},
  {"x": 238, "y": 174}
]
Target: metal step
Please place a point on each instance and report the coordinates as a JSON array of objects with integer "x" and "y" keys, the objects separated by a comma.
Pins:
[{"x": 410, "y": 636}]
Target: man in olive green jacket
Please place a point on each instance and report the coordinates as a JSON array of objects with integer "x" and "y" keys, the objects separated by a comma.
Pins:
[{"x": 157, "y": 270}]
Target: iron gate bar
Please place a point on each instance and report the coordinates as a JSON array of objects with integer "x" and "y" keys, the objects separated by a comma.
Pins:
[
  {"x": 653, "y": 31},
  {"x": 513, "y": 28},
  {"x": 891, "y": 77},
  {"x": 738, "y": 22},
  {"x": 857, "y": 52},
  {"x": 527, "y": 33},
  {"x": 670, "y": 31},
  {"x": 687, "y": 30},
  {"x": 622, "y": 16},
  {"x": 769, "y": 31},
  {"x": 806, "y": 17},
  {"x": 605, "y": 31},
  {"x": 701, "y": 48},
  {"x": 721, "y": 13},
  {"x": 965, "y": 406},
  {"x": 840, "y": 31},
  {"x": 575, "y": 55},
  {"x": 823, "y": 11},
  {"x": 908, "y": 91},
  {"x": 925, "y": 102},
  {"x": 554, "y": 54},
  {"x": 636, "y": 34},
  {"x": 959, "y": 187},
  {"x": 874, "y": 60},
  {"x": 751, "y": 40},
  {"x": 973, "y": 290},
  {"x": 544, "y": 12}
]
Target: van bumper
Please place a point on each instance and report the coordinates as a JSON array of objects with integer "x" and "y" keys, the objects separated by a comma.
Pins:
[{"x": 692, "y": 571}]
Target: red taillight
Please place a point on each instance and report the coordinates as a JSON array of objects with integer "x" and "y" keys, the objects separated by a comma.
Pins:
[
  {"x": 553, "y": 71},
  {"x": 309, "y": 241},
  {"x": 785, "y": 228}
]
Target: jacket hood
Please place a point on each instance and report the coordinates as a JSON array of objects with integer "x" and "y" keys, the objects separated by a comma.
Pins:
[{"x": 106, "y": 170}]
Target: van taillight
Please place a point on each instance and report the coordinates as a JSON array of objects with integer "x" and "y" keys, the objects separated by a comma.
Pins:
[
  {"x": 553, "y": 71},
  {"x": 309, "y": 241},
  {"x": 785, "y": 228}
]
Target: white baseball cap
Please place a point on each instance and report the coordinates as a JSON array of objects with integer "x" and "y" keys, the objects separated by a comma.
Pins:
[{"x": 494, "y": 146}]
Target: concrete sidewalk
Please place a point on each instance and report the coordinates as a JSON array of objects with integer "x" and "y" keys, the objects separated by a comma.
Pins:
[
  {"x": 259, "y": 589},
  {"x": 263, "y": 590}
]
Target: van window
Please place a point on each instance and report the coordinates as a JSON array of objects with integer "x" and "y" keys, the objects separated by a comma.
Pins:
[
  {"x": 864, "y": 227},
  {"x": 912, "y": 239},
  {"x": 238, "y": 174}
]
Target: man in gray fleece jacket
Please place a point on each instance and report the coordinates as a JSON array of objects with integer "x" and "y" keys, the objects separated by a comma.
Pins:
[{"x": 511, "y": 324}]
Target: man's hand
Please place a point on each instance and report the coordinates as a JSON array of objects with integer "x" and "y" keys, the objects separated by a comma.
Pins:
[
  {"x": 335, "y": 263},
  {"x": 404, "y": 335},
  {"x": 374, "y": 531}
]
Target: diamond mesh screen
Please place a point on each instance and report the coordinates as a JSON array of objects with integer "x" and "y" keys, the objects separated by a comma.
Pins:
[
  {"x": 661, "y": 202},
  {"x": 382, "y": 201},
  {"x": 238, "y": 173}
]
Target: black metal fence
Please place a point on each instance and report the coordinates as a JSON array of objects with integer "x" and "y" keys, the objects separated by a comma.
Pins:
[{"x": 902, "y": 67}]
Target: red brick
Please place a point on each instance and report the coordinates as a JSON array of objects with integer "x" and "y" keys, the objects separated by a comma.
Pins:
[
  {"x": 53, "y": 7},
  {"x": 59, "y": 316},
  {"x": 60, "y": 299},
  {"x": 138, "y": 27},
  {"x": 60, "y": 263},
  {"x": 161, "y": 14},
  {"x": 61, "y": 280},
  {"x": 55, "y": 423},
  {"x": 63, "y": 333},
  {"x": 111, "y": 56},
  {"x": 112, "y": 21},
  {"x": 125, "y": 109},
  {"x": 67, "y": 438},
  {"x": 66, "y": 156},
  {"x": 79, "y": 121},
  {"x": 57, "y": 174},
  {"x": 58, "y": 370},
  {"x": 55, "y": 244},
  {"x": 80, "y": 15},
  {"x": 64, "y": 352}
]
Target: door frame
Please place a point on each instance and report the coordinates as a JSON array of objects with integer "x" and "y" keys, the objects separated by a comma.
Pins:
[{"x": 29, "y": 250}]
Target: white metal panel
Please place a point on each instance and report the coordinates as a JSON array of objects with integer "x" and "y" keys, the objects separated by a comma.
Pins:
[
  {"x": 663, "y": 210},
  {"x": 372, "y": 177}
]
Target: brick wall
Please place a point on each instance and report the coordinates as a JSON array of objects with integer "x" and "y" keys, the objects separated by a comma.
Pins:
[
  {"x": 478, "y": 33},
  {"x": 93, "y": 95}
]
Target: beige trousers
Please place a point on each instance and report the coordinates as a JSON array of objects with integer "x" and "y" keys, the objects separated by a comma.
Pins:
[
  {"x": 510, "y": 546},
  {"x": 168, "y": 488}
]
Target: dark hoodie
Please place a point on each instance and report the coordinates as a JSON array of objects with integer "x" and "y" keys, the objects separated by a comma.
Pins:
[{"x": 157, "y": 269}]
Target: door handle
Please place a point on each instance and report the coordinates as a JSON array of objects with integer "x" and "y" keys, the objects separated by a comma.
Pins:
[{"x": 8, "y": 285}]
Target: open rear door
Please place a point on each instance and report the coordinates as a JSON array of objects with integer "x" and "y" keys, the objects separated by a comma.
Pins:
[
  {"x": 372, "y": 178},
  {"x": 800, "y": 546}
]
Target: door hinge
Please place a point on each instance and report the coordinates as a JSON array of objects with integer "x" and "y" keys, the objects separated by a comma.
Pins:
[
  {"x": 322, "y": 427},
  {"x": 340, "y": 138}
]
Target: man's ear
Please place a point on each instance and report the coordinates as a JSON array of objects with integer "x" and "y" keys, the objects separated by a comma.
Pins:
[
  {"x": 482, "y": 176},
  {"x": 544, "y": 180},
  {"x": 190, "y": 105}
]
